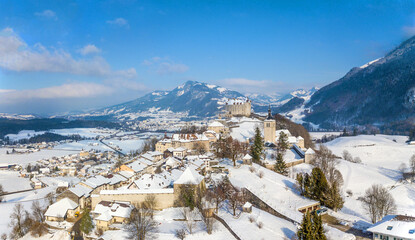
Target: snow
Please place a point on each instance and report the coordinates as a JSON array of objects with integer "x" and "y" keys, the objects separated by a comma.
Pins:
[
  {"x": 245, "y": 128},
  {"x": 369, "y": 63},
  {"x": 11, "y": 181},
  {"x": 278, "y": 191},
  {"x": 24, "y": 159},
  {"x": 60, "y": 208},
  {"x": 211, "y": 86},
  {"x": 189, "y": 176},
  {"x": 221, "y": 89},
  {"x": 53, "y": 235},
  {"x": 381, "y": 157},
  {"x": 273, "y": 227}
]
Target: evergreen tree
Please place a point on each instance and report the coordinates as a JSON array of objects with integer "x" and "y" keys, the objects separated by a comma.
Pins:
[
  {"x": 86, "y": 224},
  {"x": 334, "y": 199},
  {"x": 306, "y": 229},
  {"x": 280, "y": 166},
  {"x": 282, "y": 144},
  {"x": 257, "y": 147},
  {"x": 412, "y": 134},
  {"x": 319, "y": 185},
  {"x": 318, "y": 227}
]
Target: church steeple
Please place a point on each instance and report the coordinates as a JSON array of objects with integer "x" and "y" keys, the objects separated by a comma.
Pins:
[{"x": 269, "y": 113}]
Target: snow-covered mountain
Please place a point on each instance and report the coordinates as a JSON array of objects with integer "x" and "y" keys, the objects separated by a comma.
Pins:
[{"x": 190, "y": 100}]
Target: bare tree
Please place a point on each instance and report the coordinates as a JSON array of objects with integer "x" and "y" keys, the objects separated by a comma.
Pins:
[
  {"x": 51, "y": 198},
  {"x": 327, "y": 162},
  {"x": 190, "y": 218},
  {"x": 2, "y": 192},
  {"x": 180, "y": 234},
  {"x": 38, "y": 212},
  {"x": 235, "y": 198},
  {"x": 141, "y": 225},
  {"x": 207, "y": 219},
  {"x": 20, "y": 222},
  {"x": 402, "y": 170},
  {"x": 4, "y": 236},
  {"x": 150, "y": 203},
  {"x": 378, "y": 202},
  {"x": 347, "y": 156},
  {"x": 412, "y": 166}
]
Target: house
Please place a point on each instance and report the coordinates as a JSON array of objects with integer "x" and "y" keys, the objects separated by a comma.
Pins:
[
  {"x": 61, "y": 210},
  {"x": 153, "y": 156},
  {"x": 247, "y": 159},
  {"x": 78, "y": 193},
  {"x": 107, "y": 213},
  {"x": 185, "y": 140},
  {"x": 218, "y": 127},
  {"x": 394, "y": 227},
  {"x": 247, "y": 207}
]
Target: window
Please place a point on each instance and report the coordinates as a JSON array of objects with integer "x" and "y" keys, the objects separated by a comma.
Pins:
[{"x": 389, "y": 228}]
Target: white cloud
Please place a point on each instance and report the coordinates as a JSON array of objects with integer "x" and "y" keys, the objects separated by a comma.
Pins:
[
  {"x": 16, "y": 55},
  {"x": 47, "y": 14},
  {"x": 121, "y": 22},
  {"x": 89, "y": 49},
  {"x": 164, "y": 66},
  {"x": 68, "y": 90}
]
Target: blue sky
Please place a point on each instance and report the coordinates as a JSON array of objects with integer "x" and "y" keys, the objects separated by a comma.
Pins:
[{"x": 58, "y": 56}]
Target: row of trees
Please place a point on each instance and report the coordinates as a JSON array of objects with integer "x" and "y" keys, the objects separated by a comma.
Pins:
[{"x": 230, "y": 148}]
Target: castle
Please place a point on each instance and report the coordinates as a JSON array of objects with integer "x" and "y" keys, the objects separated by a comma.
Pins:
[{"x": 238, "y": 107}]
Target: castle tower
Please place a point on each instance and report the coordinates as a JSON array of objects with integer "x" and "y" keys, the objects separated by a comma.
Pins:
[{"x": 269, "y": 128}]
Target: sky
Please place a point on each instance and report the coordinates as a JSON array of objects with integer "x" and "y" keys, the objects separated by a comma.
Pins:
[{"x": 60, "y": 56}]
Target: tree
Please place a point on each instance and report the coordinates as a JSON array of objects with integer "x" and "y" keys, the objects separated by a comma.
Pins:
[
  {"x": 257, "y": 147},
  {"x": 150, "y": 203},
  {"x": 334, "y": 198},
  {"x": 20, "y": 222},
  {"x": 347, "y": 156},
  {"x": 141, "y": 224},
  {"x": 2, "y": 192},
  {"x": 280, "y": 166},
  {"x": 282, "y": 144},
  {"x": 235, "y": 149},
  {"x": 378, "y": 202},
  {"x": 118, "y": 163},
  {"x": 327, "y": 162},
  {"x": 189, "y": 216},
  {"x": 411, "y": 136},
  {"x": 86, "y": 224},
  {"x": 319, "y": 185},
  {"x": 235, "y": 198},
  {"x": 38, "y": 212},
  {"x": 311, "y": 227},
  {"x": 199, "y": 148},
  {"x": 402, "y": 170},
  {"x": 180, "y": 234},
  {"x": 318, "y": 227},
  {"x": 412, "y": 166},
  {"x": 306, "y": 229}
]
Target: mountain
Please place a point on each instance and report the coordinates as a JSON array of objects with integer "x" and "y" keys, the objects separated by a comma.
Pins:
[
  {"x": 192, "y": 99},
  {"x": 281, "y": 103},
  {"x": 380, "y": 92}
]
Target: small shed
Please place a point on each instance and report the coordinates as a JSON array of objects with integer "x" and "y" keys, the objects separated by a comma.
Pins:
[
  {"x": 247, "y": 207},
  {"x": 247, "y": 159}
]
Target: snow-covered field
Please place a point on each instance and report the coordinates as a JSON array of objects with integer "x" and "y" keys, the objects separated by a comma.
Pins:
[
  {"x": 24, "y": 159},
  {"x": 83, "y": 132},
  {"x": 245, "y": 128},
  {"x": 26, "y": 199},
  {"x": 319, "y": 135},
  {"x": 11, "y": 181},
  {"x": 381, "y": 157}
]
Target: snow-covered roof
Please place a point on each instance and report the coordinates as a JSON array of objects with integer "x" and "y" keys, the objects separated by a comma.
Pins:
[
  {"x": 395, "y": 225},
  {"x": 247, "y": 205},
  {"x": 116, "y": 178},
  {"x": 96, "y": 181},
  {"x": 172, "y": 162},
  {"x": 189, "y": 176},
  {"x": 179, "y": 149},
  {"x": 152, "y": 181},
  {"x": 81, "y": 190},
  {"x": 136, "y": 191},
  {"x": 310, "y": 151},
  {"x": 107, "y": 210},
  {"x": 60, "y": 208},
  {"x": 126, "y": 174},
  {"x": 215, "y": 124},
  {"x": 137, "y": 166},
  {"x": 247, "y": 157}
]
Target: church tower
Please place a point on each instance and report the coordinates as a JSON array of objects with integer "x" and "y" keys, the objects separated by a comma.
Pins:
[{"x": 269, "y": 128}]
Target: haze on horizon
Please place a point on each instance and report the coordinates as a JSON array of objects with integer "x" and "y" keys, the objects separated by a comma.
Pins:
[{"x": 58, "y": 56}]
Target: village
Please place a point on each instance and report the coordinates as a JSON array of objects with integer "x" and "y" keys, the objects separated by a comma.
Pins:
[{"x": 203, "y": 184}]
